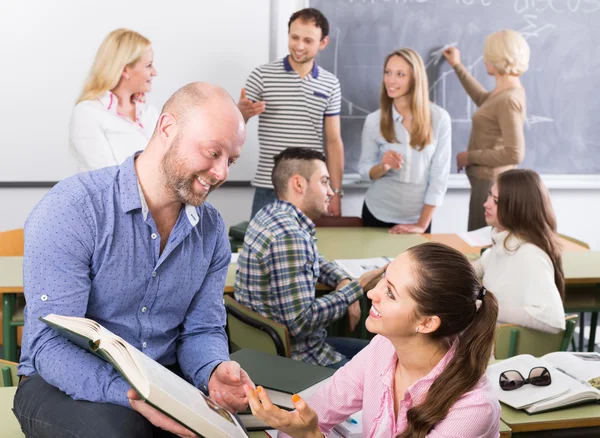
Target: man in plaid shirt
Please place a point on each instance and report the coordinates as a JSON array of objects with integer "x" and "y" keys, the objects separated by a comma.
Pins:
[{"x": 279, "y": 265}]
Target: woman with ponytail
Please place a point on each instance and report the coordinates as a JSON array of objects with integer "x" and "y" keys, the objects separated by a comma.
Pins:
[{"x": 424, "y": 374}]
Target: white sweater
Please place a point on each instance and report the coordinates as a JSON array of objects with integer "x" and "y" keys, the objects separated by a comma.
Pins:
[
  {"x": 522, "y": 279},
  {"x": 99, "y": 136}
]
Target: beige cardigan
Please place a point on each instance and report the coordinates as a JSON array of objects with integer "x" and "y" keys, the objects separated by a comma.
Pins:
[{"x": 497, "y": 141}]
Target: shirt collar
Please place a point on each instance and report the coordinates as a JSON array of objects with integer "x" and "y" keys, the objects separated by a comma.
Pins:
[
  {"x": 110, "y": 101},
  {"x": 288, "y": 67},
  {"x": 303, "y": 220},
  {"x": 132, "y": 196},
  {"x": 505, "y": 243}
]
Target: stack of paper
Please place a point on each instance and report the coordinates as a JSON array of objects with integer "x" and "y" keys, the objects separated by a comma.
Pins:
[
  {"x": 480, "y": 237},
  {"x": 355, "y": 268}
]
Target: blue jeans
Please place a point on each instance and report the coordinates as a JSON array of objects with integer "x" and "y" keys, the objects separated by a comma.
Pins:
[
  {"x": 46, "y": 412},
  {"x": 348, "y": 347},
  {"x": 262, "y": 198}
]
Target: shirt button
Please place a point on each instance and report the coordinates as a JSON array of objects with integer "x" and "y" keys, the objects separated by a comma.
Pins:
[
  {"x": 144, "y": 309},
  {"x": 153, "y": 235},
  {"x": 144, "y": 345},
  {"x": 44, "y": 297},
  {"x": 154, "y": 274}
]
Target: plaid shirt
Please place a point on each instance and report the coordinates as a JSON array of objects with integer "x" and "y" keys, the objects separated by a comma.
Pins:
[{"x": 278, "y": 269}]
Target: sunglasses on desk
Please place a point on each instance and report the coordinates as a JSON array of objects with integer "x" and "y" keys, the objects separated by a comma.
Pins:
[{"x": 512, "y": 379}]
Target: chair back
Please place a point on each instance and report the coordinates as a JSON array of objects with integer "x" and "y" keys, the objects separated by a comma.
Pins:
[
  {"x": 512, "y": 340},
  {"x": 575, "y": 241},
  {"x": 341, "y": 221},
  {"x": 9, "y": 373},
  {"x": 248, "y": 329},
  {"x": 12, "y": 243}
]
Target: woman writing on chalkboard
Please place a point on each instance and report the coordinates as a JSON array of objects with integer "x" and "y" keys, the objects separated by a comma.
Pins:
[
  {"x": 423, "y": 375},
  {"x": 111, "y": 120},
  {"x": 497, "y": 141},
  {"x": 406, "y": 150},
  {"x": 524, "y": 265}
]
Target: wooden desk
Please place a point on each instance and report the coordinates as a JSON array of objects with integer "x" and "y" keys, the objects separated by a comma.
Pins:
[
  {"x": 352, "y": 243},
  {"x": 505, "y": 431},
  {"x": 11, "y": 284},
  {"x": 11, "y": 275},
  {"x": 456, "y": 242},
  {"x": 581, "y": 266},
  {"x": 583, "y": 416}
]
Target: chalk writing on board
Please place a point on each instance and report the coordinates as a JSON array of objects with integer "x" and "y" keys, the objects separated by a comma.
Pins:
[{"x": 438, "y": 88}]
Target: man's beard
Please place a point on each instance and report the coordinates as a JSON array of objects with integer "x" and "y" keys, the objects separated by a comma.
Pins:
[{"x": 181, "y": 183}]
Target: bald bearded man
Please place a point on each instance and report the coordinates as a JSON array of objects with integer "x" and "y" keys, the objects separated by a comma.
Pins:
[{"x": 135, "y": 248}]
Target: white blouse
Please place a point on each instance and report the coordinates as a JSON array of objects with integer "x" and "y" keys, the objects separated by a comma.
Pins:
[
  {"x": 99, "y": 136},
  {"x": 522, "y": 279},
  {"x": 399, "y": 195}
]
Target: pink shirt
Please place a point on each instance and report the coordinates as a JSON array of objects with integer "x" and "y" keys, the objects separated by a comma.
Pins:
[{"x": 367, "y": 383}]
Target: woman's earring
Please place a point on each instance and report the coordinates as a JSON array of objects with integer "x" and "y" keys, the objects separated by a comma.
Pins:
[
  {"x": 417, "y": 330},
  {"x": 126, "y": 76}
]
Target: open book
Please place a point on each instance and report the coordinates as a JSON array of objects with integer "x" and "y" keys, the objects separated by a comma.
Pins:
[
  {"x": 575, "y": 380},
  {"x": 155, "y": 384},
  {"x": 355, "y": 268}
]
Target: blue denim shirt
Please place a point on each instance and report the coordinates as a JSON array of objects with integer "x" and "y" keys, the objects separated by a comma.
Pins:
[{"x": 92, "y": 249}]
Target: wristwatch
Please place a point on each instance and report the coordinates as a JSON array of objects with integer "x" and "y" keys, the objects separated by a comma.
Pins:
[{"x": 338, "y": 192}]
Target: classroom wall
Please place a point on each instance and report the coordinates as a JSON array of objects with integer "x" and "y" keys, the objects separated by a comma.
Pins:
[{"x": 577, "y": 210}]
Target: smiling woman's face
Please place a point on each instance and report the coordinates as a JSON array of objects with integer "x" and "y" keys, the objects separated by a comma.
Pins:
[{"x": 393, "y": 310}]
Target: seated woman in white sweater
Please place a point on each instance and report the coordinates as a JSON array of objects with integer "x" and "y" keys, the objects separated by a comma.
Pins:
[{"x": 523, "y": 267}]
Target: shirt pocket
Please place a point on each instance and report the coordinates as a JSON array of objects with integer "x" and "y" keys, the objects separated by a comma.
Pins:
[{"x": 318, "y": 100}]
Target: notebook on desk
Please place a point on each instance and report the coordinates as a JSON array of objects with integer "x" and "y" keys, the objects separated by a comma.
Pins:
[
  {"x": 356, "y": 267},
  {"x": 575, "y": 380}
]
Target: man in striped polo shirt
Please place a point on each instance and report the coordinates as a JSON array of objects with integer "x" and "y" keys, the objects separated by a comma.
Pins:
[{"x": 295, "y": 99}]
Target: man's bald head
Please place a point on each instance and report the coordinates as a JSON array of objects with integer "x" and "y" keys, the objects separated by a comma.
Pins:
[{"x": 198, "y": 95}]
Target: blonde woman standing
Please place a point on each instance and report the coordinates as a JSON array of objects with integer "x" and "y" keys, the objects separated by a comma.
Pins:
[
  {"x": 111, "y": 120},
  {"x": 497, "y": 141},
  {"x": 406, "y": 150}
]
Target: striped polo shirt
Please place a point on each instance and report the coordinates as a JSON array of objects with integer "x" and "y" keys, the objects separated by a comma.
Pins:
[{"x": 294, "y": 110}]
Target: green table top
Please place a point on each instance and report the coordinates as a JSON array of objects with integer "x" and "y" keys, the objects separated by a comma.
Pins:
[
  {"x": 352, "y": 243},
  {"x": 576, "y": 416},
  {"x": 11, "y": 274}
]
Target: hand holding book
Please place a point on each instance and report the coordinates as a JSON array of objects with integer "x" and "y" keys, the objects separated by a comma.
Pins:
[
  {"x": 160, "y": 395},
  {"x": 156, "y": 417}
]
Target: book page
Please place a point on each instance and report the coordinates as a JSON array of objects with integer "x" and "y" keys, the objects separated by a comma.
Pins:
[
  {"x": 182, "y": 391},
  {"x": 480, "y": 237},
  {"x": 584, "y": 367},
  {"x": 82, "y": 326},
  {"x": 356, "y": 267},
  {"x": 527, "y": 394}
]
